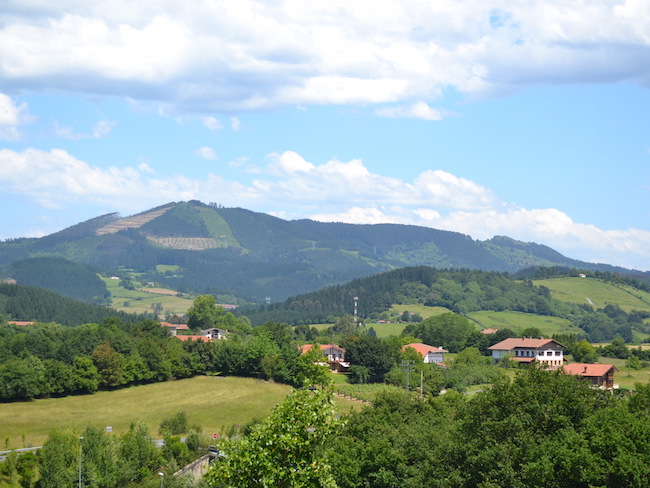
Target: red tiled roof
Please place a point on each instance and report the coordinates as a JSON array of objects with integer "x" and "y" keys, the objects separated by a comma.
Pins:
[
  {"x": 193, "y": 338},
  {"x": 20, "y": 322},
  {"x": 424, "y": 349},
  {"x": 591, "y": 370},
  {"x": 306, "y": 347},
  {"x": 177, "y": 326},
  {"x": 489, "y": 331},
  {"x": 528, "y": 343}
]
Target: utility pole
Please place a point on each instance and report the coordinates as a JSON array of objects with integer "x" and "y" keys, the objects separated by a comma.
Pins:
[
  {"x": 356, "y": 311},
  {"x": 406, "y": 365}
]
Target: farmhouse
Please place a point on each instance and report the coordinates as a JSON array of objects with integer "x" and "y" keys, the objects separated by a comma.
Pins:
[
  {"x": 174, "y": 328},
  {"x": 547, "y": 352},
  {"x": 430, "y": 354},
  {"x": 215, "y": 333},
  {"x": 600, "y": 375},
  {"x": 335, "y": 356}
]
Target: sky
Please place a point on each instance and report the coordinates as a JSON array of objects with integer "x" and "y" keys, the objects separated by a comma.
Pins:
[{"x": 529, "y": 119}]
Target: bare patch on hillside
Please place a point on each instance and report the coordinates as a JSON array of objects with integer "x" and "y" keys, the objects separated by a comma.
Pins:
[
  {"x": 186, "y": 243},
  {"x": 133, "y": 222}
]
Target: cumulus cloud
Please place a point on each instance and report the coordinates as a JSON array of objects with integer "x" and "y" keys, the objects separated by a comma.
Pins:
[
  {"x": 100, "y": 130},
  {"x": 253, "y": 54},
  {"x": 212, "y": 123},
  {"x": 420, "y": 110},
  {"x": 206, "y": 153},
  {"x": 331, "y": 191},
  {"x": 11, "y": 116}
]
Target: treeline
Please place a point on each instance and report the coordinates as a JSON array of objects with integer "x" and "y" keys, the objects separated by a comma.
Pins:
[
  {"x": 542, "y": 429},
  {"x": 28, "y": 303},
  {"x": 97, "y": 459},
  {"x": 46, "y": 360},
  {"x": 61, "y": 276},
  {"x": 461, "y": 291}
]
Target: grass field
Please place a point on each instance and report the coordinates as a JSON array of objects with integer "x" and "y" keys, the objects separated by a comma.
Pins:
[
  {"x": 424, "y": 311},
  {"x": 209, "y": 401},
  {"x": 518, "y": 321},
  {"x": 135, "y": 301},
  {"x": 596, "y": 293}
]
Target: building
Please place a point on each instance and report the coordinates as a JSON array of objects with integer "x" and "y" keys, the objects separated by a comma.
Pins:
[
  {"x": 430, "y": 354},
  {"x": 214, "y": 333},
  {"x": 335, "y": 356},
  {"x": 547, "y": 352},
  {"x": 600, "y": 375},
  {"x": 174, "y": 328},
  {"x": 194, "y": 338}
]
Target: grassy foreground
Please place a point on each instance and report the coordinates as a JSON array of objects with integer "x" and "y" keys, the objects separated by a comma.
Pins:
[{"x": 209, "y": 402}]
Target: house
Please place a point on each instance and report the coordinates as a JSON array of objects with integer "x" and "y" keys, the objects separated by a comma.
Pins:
[
  {"x": 215, "y": 333},
  {"x": 431, "y": 354},
  {"x": 21, "y": 323},
  {"x": 335, "y": 356},
  {"x": 489, "y": 331},
  {"x": 174, "y": 328},
  {"x": 547, "y": 352},
  {"x": 199, "y": 338},
  {"x": 600, "y": 375}
]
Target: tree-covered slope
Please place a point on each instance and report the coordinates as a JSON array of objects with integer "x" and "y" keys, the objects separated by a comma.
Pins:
[{"x": 253, "y": 255}]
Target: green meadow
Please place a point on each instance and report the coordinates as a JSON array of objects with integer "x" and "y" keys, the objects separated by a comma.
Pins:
[
  {"x": 211, "y": 402},
  {"x": 517, "y": 321},
  {"x": 139, "y": 301},
  {"x": 594, "y": 292}
]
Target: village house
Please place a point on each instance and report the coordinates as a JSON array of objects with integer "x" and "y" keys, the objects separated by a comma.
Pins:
[
  {"x": 174, "y": 328},
  {"x": 335, "y": 356},
  {"x": 215, "y": 333},
  {"x": 194, "y": 338},
  {"x": 547, "y": 352},
  {"x": 600, "y": 375},
  {"x": 430, "y": 354}
]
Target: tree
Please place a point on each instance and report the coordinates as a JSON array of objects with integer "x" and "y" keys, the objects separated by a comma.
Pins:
[
  {"x": 584, "y": 352},
  {"x": 59, "y": 460},
  {"x": 109, "y": 365},
  {"x": 204, "y": 313},
  {"x": 376, "y": 354},
  {"x": 285, "y": 450}
]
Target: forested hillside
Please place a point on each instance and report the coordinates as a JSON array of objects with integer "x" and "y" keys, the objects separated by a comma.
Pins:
[
  {"x": 462, "y": 292},
  {"x": 233, "y": 251},
  {"x": 28, "y": 303}
]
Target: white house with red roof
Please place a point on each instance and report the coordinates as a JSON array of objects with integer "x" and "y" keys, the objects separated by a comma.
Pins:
[
  {"x": 547, "y": 352},
  {"x": 174, "y": 328},
  {"x": 600, "y": 375},
  {"x": 430, "y": 354},
  {"x": 335, "y": 356}
]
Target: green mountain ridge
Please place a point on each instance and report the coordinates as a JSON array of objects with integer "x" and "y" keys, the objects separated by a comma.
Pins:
[{"x": 254, "y": 255}]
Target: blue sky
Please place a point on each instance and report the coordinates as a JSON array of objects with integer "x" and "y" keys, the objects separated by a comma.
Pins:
[{"x": 528, "y": 119}]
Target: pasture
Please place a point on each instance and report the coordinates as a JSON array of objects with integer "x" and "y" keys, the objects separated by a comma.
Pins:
[
  {"x": 596, "y": 293},
  {"x": 211, "y": 402},
  {"x": 517, "y": 321},
  {"x": 141, "y": 301}
]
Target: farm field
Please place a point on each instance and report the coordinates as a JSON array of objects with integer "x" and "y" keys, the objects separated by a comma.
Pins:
[
  {"x": 518, "y": 321},
  {"x": 138, "y": 301},
  {"x": 424, "y": 311},
  {"x": 596, "y": 293},
  {"x": 210, "y": 402}
]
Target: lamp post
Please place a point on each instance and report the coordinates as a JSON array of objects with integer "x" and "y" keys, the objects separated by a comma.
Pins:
[
  {"x": 80, "y": 439},
  {"x": 162, "y": 475}
]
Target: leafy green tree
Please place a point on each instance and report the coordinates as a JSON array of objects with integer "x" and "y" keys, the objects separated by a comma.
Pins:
[
  {"x": 584, "y": 352},
  {"x": 378, "y": 355},
  {"x": 204, "y": 313},
  {"x": 59, "y": 460},
  {"x": 109, "y": 365},
  {"x": 285, "y": 450}
]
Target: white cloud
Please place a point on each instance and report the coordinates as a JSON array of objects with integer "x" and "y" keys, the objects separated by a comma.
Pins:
[
  {"x": 212, "y": 123},
  {"x": 100, "y": 130},
  {"x": 11, "y": 116},
  {"x": 420, "y": 110},
  {"x": 235, "y": 124},
  {"x": 249, "y": 55},
  {"x": 206, "y": 153},
  {"x": 332, "y": 191}
]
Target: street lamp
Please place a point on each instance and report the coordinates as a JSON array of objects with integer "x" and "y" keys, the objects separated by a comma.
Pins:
[
  {"x": 161, "y": 479},
  {"x": 80, "y": 439}
]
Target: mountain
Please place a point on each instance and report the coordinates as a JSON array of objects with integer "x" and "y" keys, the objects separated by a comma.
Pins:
[{"x": 253, "y": 255}]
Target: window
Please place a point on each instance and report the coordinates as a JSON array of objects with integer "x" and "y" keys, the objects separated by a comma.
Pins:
[
  {"x": 558, "y": 353},
  {"x": 549, "y": 353}
]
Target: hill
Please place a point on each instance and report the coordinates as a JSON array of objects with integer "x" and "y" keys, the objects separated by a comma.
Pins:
[
  {"x": 492, "y": 300},
  {"x": 233, "y": 251}
]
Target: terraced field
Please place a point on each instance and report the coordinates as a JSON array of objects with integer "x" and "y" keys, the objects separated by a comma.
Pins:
[{"x": 134, "y": 222}]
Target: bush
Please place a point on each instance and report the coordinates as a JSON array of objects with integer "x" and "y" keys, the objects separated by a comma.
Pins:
[{"x": 174, "y": 425}]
